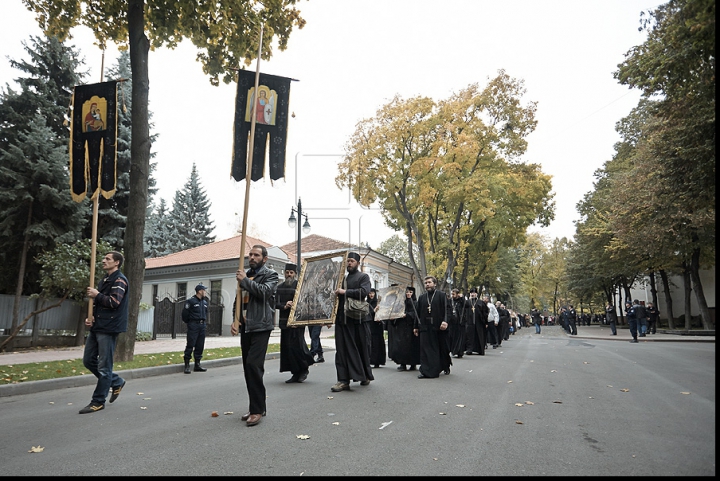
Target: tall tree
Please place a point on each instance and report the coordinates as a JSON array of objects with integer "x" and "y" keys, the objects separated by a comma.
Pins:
[
  {"x": 158, "y": 233},
  {"x": 36, "y": 209},
  {"x": 676, "y": 64},
  {"x": 190, "y": 216},
  {"x": 225, "y": 31},
  {"x": 447, "y": 173}
]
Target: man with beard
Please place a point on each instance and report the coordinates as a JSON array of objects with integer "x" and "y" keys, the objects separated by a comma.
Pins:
[
  {"x": 432, "y": 327},
  {"x": 456, "y": 329},
  {"x": 257, "y": 320},
  {"x": 294, "y": 353},
  {"x": 476, "y": 313},
  {"x": 403, "y": 343},
  {"x": 352, "y": 336}
]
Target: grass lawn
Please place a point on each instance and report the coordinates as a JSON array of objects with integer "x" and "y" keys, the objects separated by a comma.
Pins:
[{"x": 36, "y": 371}]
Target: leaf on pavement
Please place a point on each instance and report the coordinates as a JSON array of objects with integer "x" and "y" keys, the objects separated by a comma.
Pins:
[
  {"x": 553, "y": 370},
  {"x": 529, "y": 402},
  {"x": 51, "y": 402},
  {"x": 585, "y": 362},
  {"x": 684, "y": 392},
  {"x": 227, "y": 413},
  {"x": 140, "y": 393},
  {"x": 609, "y": 385},
  {"x": 624, "y": 390},
  {"x": 509, "y": 382},
  {"x": 557, "y": 402},
  {"x": 214, "y": 414},
  {"x": 336, "y": 423},
  {"x": 460, "y": 405},
  {"x": 519, "y": 404},
  {"x": 330, "y": 397},
  {"x": 518, "y": 422},
  {"x": 143, "y": 407},
  {"x": 442, "y": 414},
  {"x": 303, "y": 436},
  {"x": 36, "y": 449}
]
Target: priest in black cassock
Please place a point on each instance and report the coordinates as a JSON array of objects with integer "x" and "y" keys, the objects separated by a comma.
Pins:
[
  {"x": 432, "y": 327},
  {"x": 294, "y": 353},
  {"x": 476, "y": 313},
  {"x": 352, "y": 336},
  {"x": 403, "y": 343}
]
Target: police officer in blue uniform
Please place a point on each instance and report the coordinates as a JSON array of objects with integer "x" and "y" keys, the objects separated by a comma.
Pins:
[{"x": 194, "y": 313}]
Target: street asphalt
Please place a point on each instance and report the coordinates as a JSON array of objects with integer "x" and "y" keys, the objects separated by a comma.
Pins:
[{"x": 178, "y": 345}]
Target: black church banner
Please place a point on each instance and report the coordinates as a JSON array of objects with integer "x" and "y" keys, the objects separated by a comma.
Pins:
[
  {"x": 271, "y": 123},
  {"x": 93, "y": 140}
]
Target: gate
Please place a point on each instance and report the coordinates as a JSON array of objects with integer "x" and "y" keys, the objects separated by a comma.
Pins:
[{"x": 168, "y": 319}]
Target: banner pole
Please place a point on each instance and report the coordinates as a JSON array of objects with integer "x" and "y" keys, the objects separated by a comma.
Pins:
[
  {"x": 93, "y": 242},
  {"x": 248, "y": 172}
]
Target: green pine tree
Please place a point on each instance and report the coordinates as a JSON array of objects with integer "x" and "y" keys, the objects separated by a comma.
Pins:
[
  {"x": 36, "y": 209},
  {"x": 190, "y": 218}
]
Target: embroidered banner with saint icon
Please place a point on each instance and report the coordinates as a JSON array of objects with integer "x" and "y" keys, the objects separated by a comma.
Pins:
[
  {"x": 93, "y": 140},
  {"x": 271, "y": 124}
]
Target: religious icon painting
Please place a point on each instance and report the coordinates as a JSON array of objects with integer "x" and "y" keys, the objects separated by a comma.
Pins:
[
  {"x": 315, "y": 301},
  {"x": 391, "y": 304}
]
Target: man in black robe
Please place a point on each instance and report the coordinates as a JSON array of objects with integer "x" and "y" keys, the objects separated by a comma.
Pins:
[
  {"x": 476, "y": 313},
  {"x": 432, "y": 328},
  {"x": 352, "y": 336},
  {"x": 294, "y": 353},
  {"x": 403, "y": 343},
  {"x": 456, "y": 329}
]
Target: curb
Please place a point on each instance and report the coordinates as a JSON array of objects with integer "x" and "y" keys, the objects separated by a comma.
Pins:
[{"x": 31, "y": 387}]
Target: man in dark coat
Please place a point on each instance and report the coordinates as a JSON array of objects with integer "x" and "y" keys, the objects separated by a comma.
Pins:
[
  {"x": 432, "y": 328},
  {"x": 378, "y": 356},
  {"x": 352, "y": 336},
  {"x": 456, "y": 330},
  {"x": 403, "y": 343},
  {"x": 294, "y": 353},
  {"x": 476, "y": 313}
]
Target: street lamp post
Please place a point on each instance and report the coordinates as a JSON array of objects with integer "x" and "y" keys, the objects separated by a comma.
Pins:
[{"x": 292, "y": 222}]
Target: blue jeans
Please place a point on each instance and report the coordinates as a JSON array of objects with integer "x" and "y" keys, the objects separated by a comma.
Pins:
[
  {"x": 98, "y": 359},
  {"x": 315, "y": 346},
  {"x": 537, "y": 328}
]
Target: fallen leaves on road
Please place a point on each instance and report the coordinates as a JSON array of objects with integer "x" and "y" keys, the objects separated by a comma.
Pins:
[
  {"x": 143, "y": 407},
  {"x": 518, "y": 422},
  {"x": 227, "y": 413},
  {"x": 509, "y": 382},
  {"x": 624, "y": 390},
  {"x": 51, "y": 402},
  {"x": 553, "y": 370},
  {"x": 609, "y": 385},
  {"x": 585, "y": 362},
  {"x": 385, "y": 424},
  {"x": 303, "y": 436},
  {"x": 519, "y": 404},
  {"x": 214, "y": 414},
  {"x": 330, "y": 397},
  {"x": 557, "y": 402},
  {"x": 460, "y": 405},
  {"x": 529, "y": 402},
  {"x": 684, "y": 392},
  {"x": 36, "y": 449},
  {"x": 336, "y": 423},
  {"x": 140, "y": 393},
  {"x": 442, "y": 414}
]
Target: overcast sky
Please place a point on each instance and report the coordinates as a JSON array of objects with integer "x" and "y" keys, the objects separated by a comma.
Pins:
[{"x": 352, "y": 57}]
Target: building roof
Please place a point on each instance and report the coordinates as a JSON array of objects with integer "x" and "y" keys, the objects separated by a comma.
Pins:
[
  {"x": 314, "y": 243},
  {"x": 226, "y": 249}
]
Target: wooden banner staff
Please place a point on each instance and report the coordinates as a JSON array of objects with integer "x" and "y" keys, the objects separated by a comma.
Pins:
[
  {"x": 93, "y": 242},
  {"x": 248, "y": 172}
]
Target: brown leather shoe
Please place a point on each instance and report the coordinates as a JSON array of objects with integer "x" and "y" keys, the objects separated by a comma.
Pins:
[
  {"x": 254, "y": 419},
  {"x": 245, "y": 416}
]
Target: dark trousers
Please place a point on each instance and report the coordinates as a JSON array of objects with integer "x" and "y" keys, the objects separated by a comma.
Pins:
[
  {"x": 315, "y": 346},
  {"x": 492, "y": 334},
  {"x": 573, "y": 327},
  {"x": 613, "y": 328},
  {"x": 195, "y": 340},
  {"x": 253, "y": 346}
]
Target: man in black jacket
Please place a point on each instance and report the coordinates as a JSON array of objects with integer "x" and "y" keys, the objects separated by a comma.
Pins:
[
  {"x": 194, "y": 314},
  {"x": 110, "y": 318}
]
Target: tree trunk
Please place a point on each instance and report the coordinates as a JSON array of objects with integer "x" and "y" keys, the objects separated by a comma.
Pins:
[
  {"x": 653, "y": 288},
  {"x": 668, "y": 299},
  {"x": 698, "y": 288},
  {"x": 687, "y": 287},
  {"x": 20, "y": 280},
  {"x": 139, "y": 174}
]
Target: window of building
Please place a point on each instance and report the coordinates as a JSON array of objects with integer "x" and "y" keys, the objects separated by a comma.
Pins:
[
  {"x": 154, "y": 292},
  {"x": 216, "y": 292},
  {"x": 182, "y": 290}
]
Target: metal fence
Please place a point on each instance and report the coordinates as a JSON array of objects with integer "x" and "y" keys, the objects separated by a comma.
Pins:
[{"x": 66, "y": 317}]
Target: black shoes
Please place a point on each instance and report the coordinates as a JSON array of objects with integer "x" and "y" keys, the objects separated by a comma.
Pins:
[
  {"x": 447, "y": 371},
  {"x": 187, "y": 367},
  {"x": 294, "y": 378},
  {"x": 92, "y": 407},
  {"x": 412, "y": 367},
  {"x": 634, "y": 341},
  {"x": 303, "y": 376},
  {"x": 199, "y": 368},
  {"x": 423, "y": 376},
  {"x": 319, "y": 358},
  {"x": 116, "y": 392},
  {"x": 365, "y": 382},
  {"x": 402, "y": 367},
  {"x": 468, "y": 353}
]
